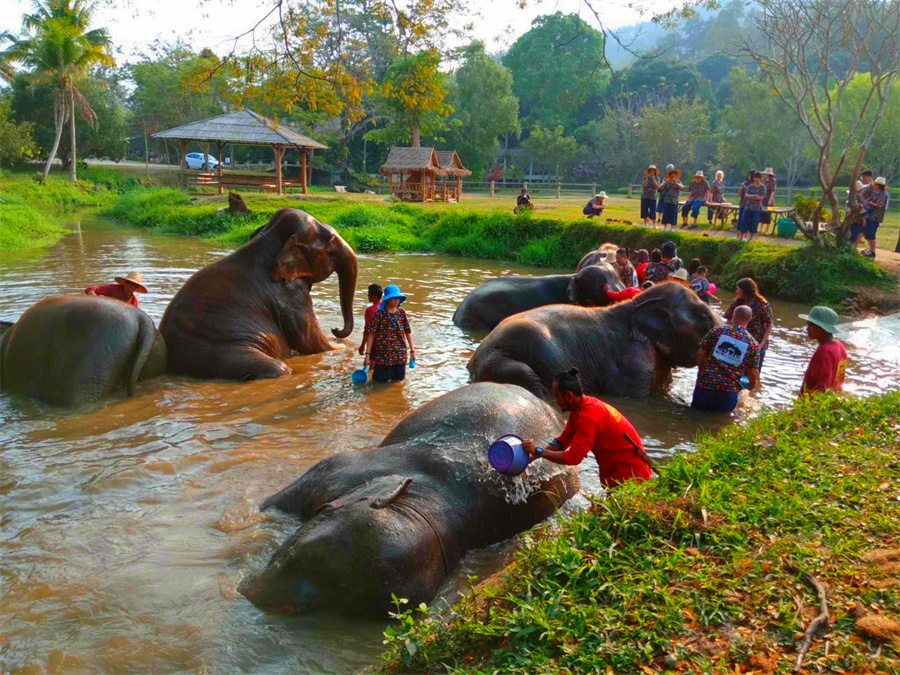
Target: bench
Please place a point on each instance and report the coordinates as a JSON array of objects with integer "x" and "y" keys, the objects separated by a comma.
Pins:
[{"x": 234, "y": 180}]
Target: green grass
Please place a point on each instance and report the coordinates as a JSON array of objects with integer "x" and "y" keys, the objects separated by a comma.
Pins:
[
  {"x": 691, "y": 572},
  {"x": 371, "y": 226}
]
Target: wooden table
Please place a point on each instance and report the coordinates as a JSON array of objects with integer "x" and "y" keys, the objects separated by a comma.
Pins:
[{"x": 726, "y": 210}]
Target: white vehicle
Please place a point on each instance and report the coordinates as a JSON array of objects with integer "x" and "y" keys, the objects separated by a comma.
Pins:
[{"x": 197, "y": 160}]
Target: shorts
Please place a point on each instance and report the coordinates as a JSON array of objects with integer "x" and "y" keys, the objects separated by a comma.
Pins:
[
  {"x": 870, "y": 229},
  {"x": 710, "y": 399},
  {"x": 765, "y": 217},
  {"x": 648, "y": 208},
  {"x": 750, "y": 223},
  {"x": 670, "y": 214},
  {"x": 856, "y": 230},
  {"x": 396, "y": 373},
  {"x": 659, "y": 205},
  {"x": 762, "y": 357}
]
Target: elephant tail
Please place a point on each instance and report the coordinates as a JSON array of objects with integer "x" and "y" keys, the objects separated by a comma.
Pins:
[{"x": 145, "y": 343}]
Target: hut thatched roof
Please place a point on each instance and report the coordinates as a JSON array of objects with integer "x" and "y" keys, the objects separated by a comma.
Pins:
[
  {"x": 244, "y": 127},
  {"x": 451, "y": 163},
  {"x": 412, "y": 159}
]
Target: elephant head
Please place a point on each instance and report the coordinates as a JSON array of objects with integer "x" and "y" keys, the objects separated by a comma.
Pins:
[
  {"x": 586, "y": 286},
  {"x": 370, "y": 532},
  {"x": 313, "y": 251},
  {"x": 674, "y": 320}
]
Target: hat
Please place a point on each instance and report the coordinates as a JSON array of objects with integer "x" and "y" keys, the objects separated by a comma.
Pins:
[
  {"x": 669, "y": 167},
  {"x": 600, "y": 194},
  {"x": 652, "y": 168},
  {"x": 880, "y": 181},
  {"x": 391, "y": 292},
  {"x": 768, "y": 171},
  {"x": 824, "y": 317},
  {"x": 134, "y": 278},
  {"x": 673, "y": 170},
  {"x": 859, "y": 185},
  {"x": 867, "y": 172},
  {"x": 699, "y": 174},
  {"x": 669, "y": 250},
  {"x": 680, "y": 273}
]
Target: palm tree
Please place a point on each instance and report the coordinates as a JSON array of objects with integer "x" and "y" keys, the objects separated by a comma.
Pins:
[{"x": 58, "y": 49}]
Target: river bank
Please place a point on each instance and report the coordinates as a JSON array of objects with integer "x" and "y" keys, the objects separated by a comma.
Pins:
[
  {"x": 793, "y": 273},
  {"x": 700, "y": 571}
]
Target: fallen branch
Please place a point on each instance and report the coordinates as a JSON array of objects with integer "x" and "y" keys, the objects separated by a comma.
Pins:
[{"x": 821, "y": 619}]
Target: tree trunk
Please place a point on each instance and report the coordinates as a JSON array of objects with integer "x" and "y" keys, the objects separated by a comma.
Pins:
[
  {"x": 416, "y": 142},
  {"x": 73, "y": 168},
  {"x": 60, "y": 115}
]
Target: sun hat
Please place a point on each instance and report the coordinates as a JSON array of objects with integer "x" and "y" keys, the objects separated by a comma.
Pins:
[
  {"x": 391, "y": 292},
  {"x": 699, "y": 174},
  {"x": 824, "y": 317},
  {"x": 680, "y": 273},
  {"x": 881, "y": 181},
  {"x": 669, "y": 250},
  {"x": 769, "y": 171},
  {"x": 652, "y": 168},
  {"x": 673, "y": 170},
  {"x": 135, "y": 278},
  {"x": 669, "y": 167},
  {"x": 600, "y": 195}
]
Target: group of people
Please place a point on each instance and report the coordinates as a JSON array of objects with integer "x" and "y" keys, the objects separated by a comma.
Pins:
[
  {"x": 872, "y": 200},
  {"x": 386, "y": 335},
  {"x": 592, "y": 209}
]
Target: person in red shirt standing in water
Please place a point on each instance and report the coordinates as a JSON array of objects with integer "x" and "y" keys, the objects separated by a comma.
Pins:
[
  {"x": 827, "y": 367},
  {"x": 375, "y": 293},
  {"x": 124, "y": 289},
  {"x": 596, "y": 427}
]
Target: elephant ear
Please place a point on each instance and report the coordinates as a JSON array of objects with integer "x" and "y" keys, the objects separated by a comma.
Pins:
[
  {"x": 293, "y": 261},
  {"x": 379, "y": 492},
  {"x": 651, "y": 322}
]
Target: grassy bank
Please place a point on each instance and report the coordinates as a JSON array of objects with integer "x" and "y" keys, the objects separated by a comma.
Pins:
[
  {"x": 31, "y": 211},
  {"x": 698, "y": 571},
  {"x": 797, "y": 273}
]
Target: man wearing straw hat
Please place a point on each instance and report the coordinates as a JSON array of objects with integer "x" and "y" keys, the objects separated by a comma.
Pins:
[
  {"x": 876, "y": 204},
  {"x": 648, "y": 195},
  {"x": 771, "y": 182},
  {"x": 698, "y": 194},
  {"x": 827, "y": 367},
  {"x": 124, "y": 289}
]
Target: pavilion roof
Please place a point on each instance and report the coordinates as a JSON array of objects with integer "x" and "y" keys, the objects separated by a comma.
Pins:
[
  {"x": 243, "y": 127},
  {"x": 412, "y": 159},
  {"x": 451, "y": 163}
]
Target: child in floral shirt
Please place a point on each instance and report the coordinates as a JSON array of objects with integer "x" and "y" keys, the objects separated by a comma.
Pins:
[
  {"x": 389, "y": 337},
  {"x": 876, "y": 205},
  {"x": 627, "y": 273}
]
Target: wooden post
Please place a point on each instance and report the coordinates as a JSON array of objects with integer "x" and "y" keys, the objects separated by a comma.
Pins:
[
  {"x": 458, "y": 189},
  {"x": 303, "y": 170},
  {"x": 525, "y": 185},
  {"x": 220, "y": 168},
  {"x": 630, "y": 191},
  {"x": 278, "y": 186},
  {"x": 309, "y": 165},
  {"x": 593, "y": 189},
  {"x": 558, "y": 190},
  {"x": 493, "y": 185},
  {"x": 183, "y": 152}
]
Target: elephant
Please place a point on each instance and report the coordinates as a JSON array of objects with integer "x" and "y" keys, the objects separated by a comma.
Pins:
[
  {"x": 398, "y": 518},
  {"x": 627, "y": 349},
  {"x": 239, "y": 317},
  {"x": 71, "y": 349},
  {"x": 598, "y": 256},
  {"x": 497, "y": 299}
]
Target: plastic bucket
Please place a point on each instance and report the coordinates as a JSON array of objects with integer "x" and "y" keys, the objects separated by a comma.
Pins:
[
  {"x": 507, "y": 455},
  {"x": 360, "y": 376},
  {"x": 787, "y": 228}
]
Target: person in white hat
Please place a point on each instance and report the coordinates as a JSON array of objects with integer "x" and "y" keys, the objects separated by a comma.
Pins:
[
  {"x": 876, "y": 205},
  {"x": 648, "y": 195},
  {"x": 595, "y": 206},
  {"x": 680, "y": 276},
  {"x": 827, "y": 367},
  {"x": 716, "y": 196},
  {"x": 771, "y": 182},
  {"x": 124, "y": 289},
  {"x": 698, "y": 193}
]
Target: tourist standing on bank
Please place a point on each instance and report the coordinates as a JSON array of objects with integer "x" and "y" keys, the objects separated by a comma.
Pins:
[
  {"x": 771, "y": 182},
  {"x": 661, "y": 199},
  {"x": 754, "y": 198},
  {"x": 716, "y": 196},
  {"x": 876, "y": 205},
  {"x": 648, "y": 195},
  {"x": 670, "y": 190}
]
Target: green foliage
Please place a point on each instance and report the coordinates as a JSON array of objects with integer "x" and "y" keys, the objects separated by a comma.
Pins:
[
  {"x": 656, "y": 81},
  {"x": 557, "y": 67},
  {"x": 694, "y": 566},
  {"x": 673, "y": 130},
  {"x": 552, "y": 150},
  {"x": 16, "y": 143}
]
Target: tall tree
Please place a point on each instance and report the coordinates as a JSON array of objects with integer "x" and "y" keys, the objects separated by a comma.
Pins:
[
  {"x": 482, "y": 95},
  {"x": 413, "y": 99},
  {"x": 551, "y": 149},
  {"x": 672, "y": 131},
  {"x": 59, "y": 47},
  {"x": 557, "y": 67},
  {"x": 614, "y": 145}
]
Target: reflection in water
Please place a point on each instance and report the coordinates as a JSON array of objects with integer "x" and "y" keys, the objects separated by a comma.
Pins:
[{"x": 125, "y": 526}]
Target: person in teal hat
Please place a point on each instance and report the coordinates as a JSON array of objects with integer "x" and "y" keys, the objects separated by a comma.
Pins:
[
  {"x": 389, "y": 336},
  {"x": 828, "y": 365}
]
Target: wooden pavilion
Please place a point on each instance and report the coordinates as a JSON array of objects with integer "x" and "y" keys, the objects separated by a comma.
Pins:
[
  {"x": 416, "y": 169},
  {"x": 244, "y": 127},
  {"x": 451, "y": 166}
]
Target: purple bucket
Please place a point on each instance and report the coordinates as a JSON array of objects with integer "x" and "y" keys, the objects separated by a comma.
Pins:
[{"x": 507, "y": 455}]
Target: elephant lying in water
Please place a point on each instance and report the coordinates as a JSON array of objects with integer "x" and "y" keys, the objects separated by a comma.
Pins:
[
  {"x": 70, "y": 349},
  {"x": 626, "y": 350},
  {"x": 239, "y": 317},
  {"x": 497, "y": 299},
  {"x": 398, "y": 518}
]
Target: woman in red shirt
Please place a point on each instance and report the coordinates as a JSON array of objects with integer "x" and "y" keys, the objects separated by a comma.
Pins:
[{"x": 594, "y": 427}]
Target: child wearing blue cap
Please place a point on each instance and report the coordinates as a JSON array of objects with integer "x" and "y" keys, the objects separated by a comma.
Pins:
[{"x": 389, "y": 336}]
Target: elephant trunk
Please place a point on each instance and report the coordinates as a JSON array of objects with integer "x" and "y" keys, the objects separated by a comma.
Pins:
[{"x": 348, "y": 270}]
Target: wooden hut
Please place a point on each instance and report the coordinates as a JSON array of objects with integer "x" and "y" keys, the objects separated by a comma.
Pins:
[
  {"x": 411, "y": 173},
  {"x": 452, "y": 168}
]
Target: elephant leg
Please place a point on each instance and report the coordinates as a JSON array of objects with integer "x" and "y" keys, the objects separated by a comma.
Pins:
[
  {"x": 504, "y": 370},
  {"x": 246, "y": 363}
]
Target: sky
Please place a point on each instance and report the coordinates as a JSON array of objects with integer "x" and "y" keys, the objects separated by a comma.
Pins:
[{"x": 135, "y": 24}]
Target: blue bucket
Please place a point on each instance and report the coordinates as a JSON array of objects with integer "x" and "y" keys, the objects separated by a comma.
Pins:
[
  {"x": 360, "y": 376},
  {"x": 507, "y": 455},
  {"x": 745, "y": 382}
]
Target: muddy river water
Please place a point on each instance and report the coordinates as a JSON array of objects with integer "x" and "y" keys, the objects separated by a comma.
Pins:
[{"x": 126, "y": 526}]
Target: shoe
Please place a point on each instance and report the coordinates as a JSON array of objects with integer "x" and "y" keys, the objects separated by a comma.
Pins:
[{"x": 868, "y": 254}]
